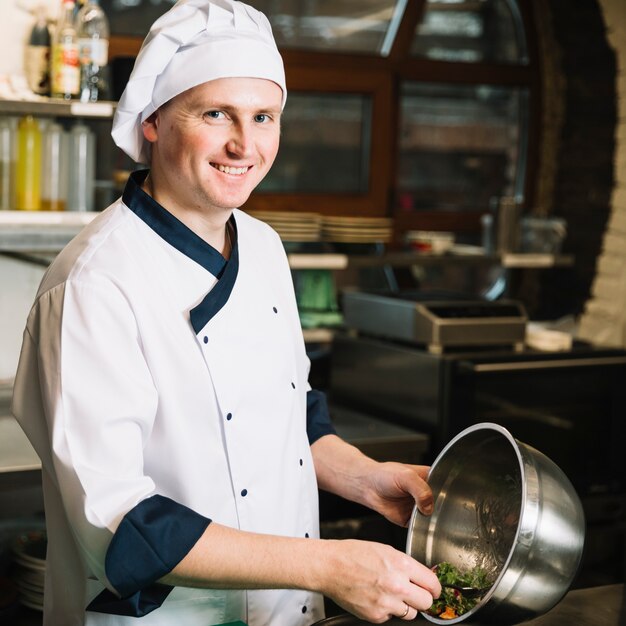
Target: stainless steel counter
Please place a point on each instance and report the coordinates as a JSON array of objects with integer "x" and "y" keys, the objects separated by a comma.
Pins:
[{"x": 381, "y": 440}]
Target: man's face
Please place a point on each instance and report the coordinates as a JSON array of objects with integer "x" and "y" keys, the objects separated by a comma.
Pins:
[{"x": 214, "y": 143}]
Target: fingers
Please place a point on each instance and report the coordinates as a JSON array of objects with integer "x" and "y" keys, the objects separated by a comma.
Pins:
[
  {"x": 375, "y": 582},
  {"x": 423, "y": 498},
  {"x": 417, "y": 486},
  {"x": 426, "y": 580},
  {"x": 406, "y": 612}
]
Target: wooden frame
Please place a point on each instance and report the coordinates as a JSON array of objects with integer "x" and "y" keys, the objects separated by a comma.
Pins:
[{"x": 375, "y": 84}]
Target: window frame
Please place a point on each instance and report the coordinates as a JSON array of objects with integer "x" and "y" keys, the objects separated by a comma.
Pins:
[{"x": 380, "y": 78}]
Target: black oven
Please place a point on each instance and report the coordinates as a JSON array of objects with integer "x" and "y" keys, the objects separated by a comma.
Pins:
[{"x": 569, "y": 405}]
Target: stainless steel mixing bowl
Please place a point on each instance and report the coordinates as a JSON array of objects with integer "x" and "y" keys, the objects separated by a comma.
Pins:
[{"x": 501, "y": 505}]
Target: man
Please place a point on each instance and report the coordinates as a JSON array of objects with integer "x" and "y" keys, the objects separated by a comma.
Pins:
[{"x": 163, "y": 376}]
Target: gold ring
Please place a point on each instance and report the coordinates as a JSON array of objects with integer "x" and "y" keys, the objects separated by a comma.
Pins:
[{"x": 406, "y": 612}]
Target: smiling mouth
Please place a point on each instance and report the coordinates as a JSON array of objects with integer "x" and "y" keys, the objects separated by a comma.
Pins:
[{"x": 235, "y": 171}]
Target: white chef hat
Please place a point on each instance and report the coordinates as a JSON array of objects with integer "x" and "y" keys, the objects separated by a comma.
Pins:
[{"x": 194, "y": 42}]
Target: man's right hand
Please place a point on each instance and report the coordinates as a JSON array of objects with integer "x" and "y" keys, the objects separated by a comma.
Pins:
[{"x": 375, "y": 581}]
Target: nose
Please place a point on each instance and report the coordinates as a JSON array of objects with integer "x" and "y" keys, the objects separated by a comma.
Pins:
[{"x": 240, "y": 142}]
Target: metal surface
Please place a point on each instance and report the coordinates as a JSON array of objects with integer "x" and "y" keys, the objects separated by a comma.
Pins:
[
  {"x": 436, "y": 324},
  {"x": 543, "y": 364},
  {"x": 503, "y": 506},
  {"x": 378, "y": 439},
  {"x": 388, "y": 379}
]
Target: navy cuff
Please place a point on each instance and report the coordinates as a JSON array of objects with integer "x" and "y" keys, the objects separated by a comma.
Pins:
[
  {"x": 318, "y": 422},
  {"x": 151, "y": 540},
  {"x": 137, "y": 605}
]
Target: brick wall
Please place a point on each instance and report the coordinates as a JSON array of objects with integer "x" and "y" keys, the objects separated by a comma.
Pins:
[
  {"x": 604, "y": 317},
  {"x": 576, "y": 173}
]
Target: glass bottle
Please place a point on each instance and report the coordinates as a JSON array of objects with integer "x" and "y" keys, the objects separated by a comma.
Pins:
[
  {"x": 54, "y": 168},
  {"x": 28, "y": 169},
  {"x": 92, "y": 27},
  {"x": 7, "y": 164},
  {"x": 65, "y": 69},
  {"x": 37, "y": 57},
  {"x": 81, "y": 158}
]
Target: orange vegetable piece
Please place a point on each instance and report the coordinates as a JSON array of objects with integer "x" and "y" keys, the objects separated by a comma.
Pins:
[{"x": 449, "y": 613}]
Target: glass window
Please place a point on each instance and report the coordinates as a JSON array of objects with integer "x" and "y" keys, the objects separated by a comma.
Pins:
[
  {"x": 460, "y": 145},
  {"x": 367, "y": 26},
  {"x": 472, "y": 31},
  {"x": 334, "y": 25},
  {"x": 325, "y": 145}
]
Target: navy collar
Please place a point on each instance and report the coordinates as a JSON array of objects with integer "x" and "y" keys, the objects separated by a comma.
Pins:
[
  {"x": 181, "y": 237},
  {"x": 171, "y": 228}
]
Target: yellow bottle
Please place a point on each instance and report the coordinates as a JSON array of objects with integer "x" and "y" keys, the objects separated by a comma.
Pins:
[{"x": 28, "y": 175}]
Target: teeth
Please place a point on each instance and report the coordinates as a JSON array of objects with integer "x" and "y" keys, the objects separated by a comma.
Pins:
[{"x": 232, "y": 170}]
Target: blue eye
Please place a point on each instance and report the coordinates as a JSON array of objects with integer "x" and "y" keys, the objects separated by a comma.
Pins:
[
  {"x": 261, "y": 118},
  {"x": 214, "y": 115}
]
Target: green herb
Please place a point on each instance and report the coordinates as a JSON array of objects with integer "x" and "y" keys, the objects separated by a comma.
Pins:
[{"x": 451, "y": 603}]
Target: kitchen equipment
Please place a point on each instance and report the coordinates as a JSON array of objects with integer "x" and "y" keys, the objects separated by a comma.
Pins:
[
  {"x": 506, "y": 507},
  {"x": 569, "y": 404},
  {"x": 436, "y": 323}
]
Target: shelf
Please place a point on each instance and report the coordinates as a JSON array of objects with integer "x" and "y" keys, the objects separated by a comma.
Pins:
[
  {"x": 318, "y": 261},
  {"x": 49, "y": 231},
  {"x": 56, "y": 107},
  {"x": 39, "y": 231},
  {"x": 318, "y": 335}
]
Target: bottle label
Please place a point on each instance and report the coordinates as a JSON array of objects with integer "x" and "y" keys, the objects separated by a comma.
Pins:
[
  {"x": 94, "y": 51},
  {"x": 36, "y": 63},
  {"x": 65, "y": 69}
]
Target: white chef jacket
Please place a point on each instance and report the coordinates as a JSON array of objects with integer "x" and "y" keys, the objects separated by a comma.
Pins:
[{"x": 163, "y": 388}]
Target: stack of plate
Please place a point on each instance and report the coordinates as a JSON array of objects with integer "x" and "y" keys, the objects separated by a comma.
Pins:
[
  {"x": 293, "y": 227},
  {"x": 357, "y": 229},
  {"x": 29, "y": 559}
]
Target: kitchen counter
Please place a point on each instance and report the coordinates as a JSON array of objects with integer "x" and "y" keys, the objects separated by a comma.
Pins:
[
  {"x": 380, "y": 440},
  {"x": 596, "y": 606}
]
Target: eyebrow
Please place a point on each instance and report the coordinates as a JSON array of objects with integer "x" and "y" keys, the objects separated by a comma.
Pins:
[{"x": 229, "y": 108}]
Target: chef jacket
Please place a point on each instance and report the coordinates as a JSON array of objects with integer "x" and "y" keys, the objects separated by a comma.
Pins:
[{"x": 164, "y": 387}]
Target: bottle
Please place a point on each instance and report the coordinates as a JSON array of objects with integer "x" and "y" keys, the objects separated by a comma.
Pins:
[
  {"x": 65, "y": 69},
  {"x": 37, "y": 58},
  {"x": 508, "y": 229},
  {"x": 28, "y": 169},
  {"x": 7, "y": 165},
  {"x": 92, "y": 27},
  {"x": 54, "y": 168},
  {"x": 81, "y": 158}
]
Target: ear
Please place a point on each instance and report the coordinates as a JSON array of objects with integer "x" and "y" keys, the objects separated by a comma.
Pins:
[{"x": 150, "y": 127}]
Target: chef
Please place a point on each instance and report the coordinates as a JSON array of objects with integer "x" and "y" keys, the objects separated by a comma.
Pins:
[{"x": 163, "y": 374}]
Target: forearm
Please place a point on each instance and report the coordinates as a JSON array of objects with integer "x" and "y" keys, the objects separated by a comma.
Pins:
[
  {"x": 343, "y": 469},
  {"x": 227, "y": 558},
  {"x": 389, "y": 488},
  {"x": 371, "y": 580}
]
